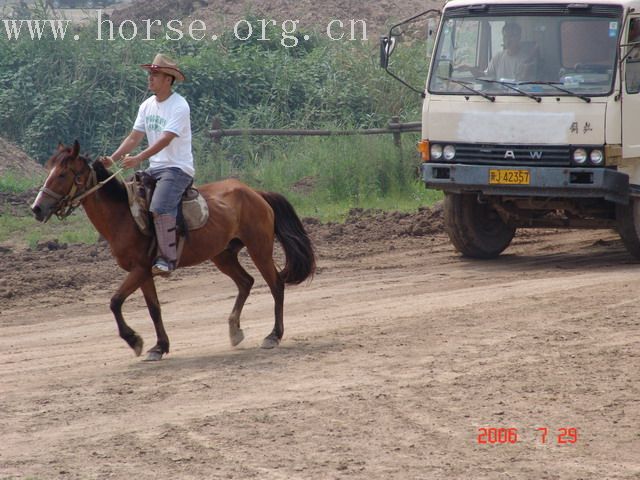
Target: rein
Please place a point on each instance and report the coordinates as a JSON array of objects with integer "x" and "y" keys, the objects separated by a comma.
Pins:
[{"x": 69, "y": 202}]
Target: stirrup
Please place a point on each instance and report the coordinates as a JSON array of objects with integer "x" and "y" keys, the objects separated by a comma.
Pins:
[{"x": 161, "y": 267}]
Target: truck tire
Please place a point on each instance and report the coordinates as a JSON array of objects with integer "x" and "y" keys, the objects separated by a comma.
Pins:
[
  {"x": 628, "y": 223},
  {"x": 475, "y": 229}
]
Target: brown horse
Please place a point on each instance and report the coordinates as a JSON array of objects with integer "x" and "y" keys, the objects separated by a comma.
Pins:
[{"x": 239, "y": 217}]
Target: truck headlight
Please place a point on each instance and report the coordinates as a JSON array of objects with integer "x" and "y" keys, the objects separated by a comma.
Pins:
[
  {"x": 449, "y": 152},
  {"x": 579, "y": 156},
  {"x": 596, "y": 157},
  {"x": 436, "y": 152}
]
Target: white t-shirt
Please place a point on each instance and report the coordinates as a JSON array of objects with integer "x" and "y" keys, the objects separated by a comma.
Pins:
[
  {"x": 504, "y": 66},
  {"x": 171, "y": 115}
]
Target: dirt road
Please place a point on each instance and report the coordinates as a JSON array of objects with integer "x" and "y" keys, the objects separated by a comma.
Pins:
[{"x": 394, "y": 357}]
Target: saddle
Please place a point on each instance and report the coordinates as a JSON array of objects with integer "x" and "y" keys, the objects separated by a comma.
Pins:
[{"x": 193, "y": 211}]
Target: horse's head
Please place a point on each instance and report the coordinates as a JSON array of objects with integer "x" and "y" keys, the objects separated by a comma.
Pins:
[{"x": 69, "y": 175}]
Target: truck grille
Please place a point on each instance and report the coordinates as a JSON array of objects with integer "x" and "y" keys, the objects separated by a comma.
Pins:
[{"x": 488, "y": 154}]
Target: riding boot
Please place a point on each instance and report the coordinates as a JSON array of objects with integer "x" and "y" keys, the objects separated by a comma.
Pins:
[{"x": 165, "y": 262}]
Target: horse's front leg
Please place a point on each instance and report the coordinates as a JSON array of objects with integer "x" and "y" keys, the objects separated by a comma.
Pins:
[
  {"x": 151, "y": 297},
  {"x": 131, "y": 283}
]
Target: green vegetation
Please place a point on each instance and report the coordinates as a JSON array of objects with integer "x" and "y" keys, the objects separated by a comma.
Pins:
[
  {"x": 11, "y": 182},
  {"x": 26, "y": 231},
  {"x": 326, "y": 176},
  {"x": 53, "y": 90},
  {"x": 61, "y": 90}
]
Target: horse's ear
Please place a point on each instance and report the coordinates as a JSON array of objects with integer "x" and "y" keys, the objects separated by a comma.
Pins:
[
  {"x": 61, "y": 147},
  {"x": 76, "y": 149}
]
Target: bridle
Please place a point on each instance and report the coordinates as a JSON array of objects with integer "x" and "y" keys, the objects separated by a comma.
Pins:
[{"x": 66, "y": 204}]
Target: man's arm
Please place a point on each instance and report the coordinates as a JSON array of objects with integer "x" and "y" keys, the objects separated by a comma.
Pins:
[
  {"x": 127, "y": 146},
  {"x": 162, "y": 142},
  {"x": 494, "y": 66}
]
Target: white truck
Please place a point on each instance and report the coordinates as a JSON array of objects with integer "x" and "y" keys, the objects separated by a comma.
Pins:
[{"x": 531, "y": 118}]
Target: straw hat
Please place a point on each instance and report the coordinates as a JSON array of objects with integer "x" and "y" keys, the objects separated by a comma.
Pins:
[{"x": 162, "y": 63}]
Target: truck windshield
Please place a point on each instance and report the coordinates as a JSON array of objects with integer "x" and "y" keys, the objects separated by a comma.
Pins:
[{"x": 535, "y": 53}]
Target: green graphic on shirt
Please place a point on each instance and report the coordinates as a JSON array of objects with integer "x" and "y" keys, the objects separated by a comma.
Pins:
[{"x": 155, "y": 123}]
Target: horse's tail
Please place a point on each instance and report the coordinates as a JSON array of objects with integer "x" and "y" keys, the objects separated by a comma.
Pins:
[{"x": 300, "y": 258}]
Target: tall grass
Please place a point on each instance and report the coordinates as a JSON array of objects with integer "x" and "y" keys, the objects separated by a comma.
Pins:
[{"x": 324, "y": 176}]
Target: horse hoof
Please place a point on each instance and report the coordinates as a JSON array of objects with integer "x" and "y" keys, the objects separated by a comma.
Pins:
[
  {"x": 237, "y": 337},
  {"x": 270, "y": 342},
  {"x": 153, "y": 356},
  {"x": 137, "y": 346}
]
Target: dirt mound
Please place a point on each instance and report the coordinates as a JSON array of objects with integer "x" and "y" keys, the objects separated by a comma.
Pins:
[
  {"x": 161, "y": 10},
  {"x": 363, "y": 226},
  {"x": 311, "y": 14},
  {"x": 15, "y": 161}
]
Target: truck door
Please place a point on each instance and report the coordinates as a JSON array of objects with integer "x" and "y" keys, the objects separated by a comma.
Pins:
[{"x": 630, "y": 91}]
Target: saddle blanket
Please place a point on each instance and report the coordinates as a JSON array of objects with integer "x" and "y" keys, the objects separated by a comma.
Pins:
[{"x": 194, "y": 208}]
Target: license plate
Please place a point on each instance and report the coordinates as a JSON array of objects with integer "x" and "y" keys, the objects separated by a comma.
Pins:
[{"x": 509, "y": 177}]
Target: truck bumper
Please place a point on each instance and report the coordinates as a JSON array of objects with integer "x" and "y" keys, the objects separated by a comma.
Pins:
[{"x": 544, "y": 181}]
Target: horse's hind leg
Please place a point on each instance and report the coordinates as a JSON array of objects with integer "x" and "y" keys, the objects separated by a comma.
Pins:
[
  {"x": 151, "y": 298},
  {"x": 131, "y": 283},
  {"x": 228, "y": 264},
  {"x": 263, "y": 260}
]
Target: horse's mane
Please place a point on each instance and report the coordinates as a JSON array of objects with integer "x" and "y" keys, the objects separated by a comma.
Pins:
[{"x": 114, "y": 189}]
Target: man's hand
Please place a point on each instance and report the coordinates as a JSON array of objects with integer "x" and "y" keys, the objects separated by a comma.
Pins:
[
  {"x": 132, "y": 161},
  {"x": 106, "y": 161}
]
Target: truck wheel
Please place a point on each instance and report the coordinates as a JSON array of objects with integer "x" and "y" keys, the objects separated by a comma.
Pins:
[
  {"x": 628, "y": 223},
  {"x": 474, "y": 228}
]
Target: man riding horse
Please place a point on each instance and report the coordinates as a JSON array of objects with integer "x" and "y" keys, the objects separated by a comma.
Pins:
[{"x": 165, "y": 120}]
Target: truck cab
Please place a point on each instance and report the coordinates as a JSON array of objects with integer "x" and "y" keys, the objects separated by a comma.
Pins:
[{"x": 531, "y": 118}]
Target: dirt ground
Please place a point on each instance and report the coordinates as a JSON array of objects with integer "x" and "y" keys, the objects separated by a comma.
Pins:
[{"x": 394, "y": 357}]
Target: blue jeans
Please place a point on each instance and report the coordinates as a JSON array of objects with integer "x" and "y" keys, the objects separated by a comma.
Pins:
[{"x": 171, "y": 184}]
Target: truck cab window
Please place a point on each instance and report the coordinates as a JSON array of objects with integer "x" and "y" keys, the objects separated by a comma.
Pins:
[
  {"x": 588, "y": 50},
  {"x": 485, "y": 52},
  {"x": 632, "y": 66}
]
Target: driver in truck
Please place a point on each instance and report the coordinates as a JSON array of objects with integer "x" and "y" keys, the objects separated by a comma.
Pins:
[{"x": 513, "y": 62}]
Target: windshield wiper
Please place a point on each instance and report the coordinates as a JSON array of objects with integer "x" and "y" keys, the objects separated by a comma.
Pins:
[
  {"x": 491, "y": 98},
  {"x": 555, "y": 85},
  {"x": 511, "y": 87}
]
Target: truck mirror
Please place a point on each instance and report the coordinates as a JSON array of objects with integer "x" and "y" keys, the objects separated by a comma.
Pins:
[
  {"x": 432, "y": 27},
  {"x": 387, "y": 45}
]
